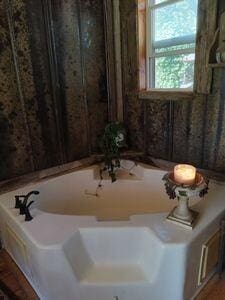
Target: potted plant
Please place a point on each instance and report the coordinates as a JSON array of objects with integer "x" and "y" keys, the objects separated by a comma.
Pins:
[{"x": 113, "y": 140}]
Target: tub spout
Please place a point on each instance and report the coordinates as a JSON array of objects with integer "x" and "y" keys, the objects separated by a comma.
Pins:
[{"x": 28, "y": 216}]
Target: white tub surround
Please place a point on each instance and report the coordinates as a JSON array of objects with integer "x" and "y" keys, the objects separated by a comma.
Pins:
[{"x": 67, "y": 254}]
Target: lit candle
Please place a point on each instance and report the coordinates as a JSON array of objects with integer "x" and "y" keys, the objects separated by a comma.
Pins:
[{"x": 184, "y": 174}]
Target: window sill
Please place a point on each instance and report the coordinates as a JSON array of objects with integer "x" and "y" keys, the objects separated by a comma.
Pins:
[{"x": 171, "y": 95}]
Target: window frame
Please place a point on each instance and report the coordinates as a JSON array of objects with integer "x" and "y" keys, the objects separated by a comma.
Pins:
[{"x": 150, "y": 53}]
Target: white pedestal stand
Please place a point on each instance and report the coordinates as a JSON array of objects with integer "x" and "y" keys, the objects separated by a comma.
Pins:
[{"x": 182, "y": 214}]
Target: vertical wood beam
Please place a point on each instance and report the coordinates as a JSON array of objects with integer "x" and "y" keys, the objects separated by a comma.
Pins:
[
  {"x": 110, "y": 59},
  {"x": 84, "y": 84},
  {"x": 113, "y": 54},
  {"x": 142, "y": 38},
  {"x": 207, "y": 19},
  {"x": 118, "y": 63}
]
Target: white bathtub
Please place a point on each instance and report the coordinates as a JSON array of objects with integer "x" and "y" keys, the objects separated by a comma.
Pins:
[{"x": 67, "y": 254}]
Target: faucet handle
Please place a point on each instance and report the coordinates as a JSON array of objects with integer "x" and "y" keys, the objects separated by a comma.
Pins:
[
  {"x": 18, "y": 202},
  {"x": 23, "y": 206}
]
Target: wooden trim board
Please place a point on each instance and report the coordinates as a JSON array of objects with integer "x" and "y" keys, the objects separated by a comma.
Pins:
[{"x": 37, "y": 176}]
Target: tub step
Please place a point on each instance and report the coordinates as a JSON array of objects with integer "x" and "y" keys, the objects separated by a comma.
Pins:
[{"x": 113, "y": 273}]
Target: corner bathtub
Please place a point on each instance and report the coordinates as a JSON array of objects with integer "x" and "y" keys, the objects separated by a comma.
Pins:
[{"x": 133, "y": 253}]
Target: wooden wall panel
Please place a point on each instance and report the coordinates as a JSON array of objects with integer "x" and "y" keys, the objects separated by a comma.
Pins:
[{"x": 207, "y": 19}]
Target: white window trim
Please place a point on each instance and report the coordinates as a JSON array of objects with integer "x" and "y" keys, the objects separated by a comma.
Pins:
[
  {"x": 175, "y": 41},
  {"x": 162, "y": 4},
  {"x": 165, "y": 43}
]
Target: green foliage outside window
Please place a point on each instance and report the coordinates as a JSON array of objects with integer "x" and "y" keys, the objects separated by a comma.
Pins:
[{"x": 174, "y": 21}]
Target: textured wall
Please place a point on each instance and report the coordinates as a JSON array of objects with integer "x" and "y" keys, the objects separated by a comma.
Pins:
[
  {"x": 53, "y": 86},
  {"x": 54, "y": 102},
  {"x": 181, "y": 131},
  {"x": 133, "y": 108}
]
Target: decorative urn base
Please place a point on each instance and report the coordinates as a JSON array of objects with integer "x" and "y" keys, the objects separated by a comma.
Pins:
[{"x": 182, "y": 214}]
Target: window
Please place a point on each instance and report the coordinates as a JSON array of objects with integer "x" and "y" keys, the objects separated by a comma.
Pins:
[{"x": 171, "y": 33}]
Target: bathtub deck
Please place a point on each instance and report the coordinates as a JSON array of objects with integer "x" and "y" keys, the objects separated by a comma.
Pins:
[
  {"x": 66, "y": 229},
  {"x": 12, "y": 278}
]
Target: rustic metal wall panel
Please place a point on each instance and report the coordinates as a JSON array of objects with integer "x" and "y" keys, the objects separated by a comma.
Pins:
[
  {"x": 70, "y": 71},
  {"x": 41, "y": 110},
  {"x": 181, "y": 130},
  {"x": 54, "y": 100},
  {"x": 196, "y": 130},
  {"x": 158, "y": 129},
  {"x": 188, "y": 125},
  {"x": 219, "y": 157},
  {"x": 14, "y": 142},
  {"x": 214, "y": 126},
  {"x": 22, "y": 48},
  {"x": 93, "y": 47},
  {"x": 133, "y": 108}
]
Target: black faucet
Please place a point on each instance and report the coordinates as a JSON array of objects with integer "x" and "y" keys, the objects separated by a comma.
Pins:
[
  {"x": 23, "y": 206},
  {"x": 28, "y": 216}
]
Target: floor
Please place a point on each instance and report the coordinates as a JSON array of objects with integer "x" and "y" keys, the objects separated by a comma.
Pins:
[
  {"x": 214, "y": 290},
  {"x": 18, "y": 288},
  {"x": 218, "y": 292},
  {"x": 12, "y": 281}
]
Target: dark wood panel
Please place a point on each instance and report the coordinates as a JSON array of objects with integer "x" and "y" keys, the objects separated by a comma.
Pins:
[
  {"x": 133, "y": 108},
  {"x": 15, "y": 151},
  {"x": 93, "y": 49},
  {"x": 207, "y": 19},
  {"x": 67, "y": 33},
  {"x": 54, "y": 94},
  {"x": 34, "y": 80}
]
